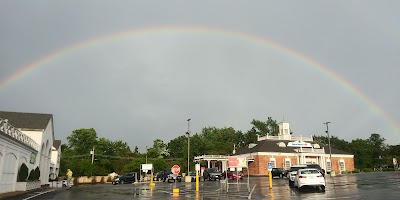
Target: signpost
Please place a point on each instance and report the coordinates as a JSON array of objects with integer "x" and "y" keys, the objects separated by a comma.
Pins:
[
  {"x": 395, "y": 165},
  {"x": 237, "y": 164},
  {"x": 175, "y": 170}
]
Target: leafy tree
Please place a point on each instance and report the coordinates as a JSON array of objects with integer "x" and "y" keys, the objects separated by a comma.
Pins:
[
  {"x": 362, "y": 150},
  {"x": 263, "y": 128},
  {"x": 247, "y": 138}
]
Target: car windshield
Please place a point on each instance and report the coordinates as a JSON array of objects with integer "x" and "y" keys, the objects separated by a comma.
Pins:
[
  {"x": 295, "y": 169},
  {"x": 309, "y": 171}
]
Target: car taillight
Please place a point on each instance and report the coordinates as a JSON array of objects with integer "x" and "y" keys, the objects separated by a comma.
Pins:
[{"x": 302, "y": 176}]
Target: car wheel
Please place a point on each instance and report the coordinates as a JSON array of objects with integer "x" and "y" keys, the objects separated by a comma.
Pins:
[
  {"x": 323, "y": 188},
  {"x": 291, "y": 183}
]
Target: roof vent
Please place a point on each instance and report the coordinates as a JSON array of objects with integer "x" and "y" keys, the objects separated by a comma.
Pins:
[
  {"x": 251, "y": 145},
  {"x": 281, "y": 144}
]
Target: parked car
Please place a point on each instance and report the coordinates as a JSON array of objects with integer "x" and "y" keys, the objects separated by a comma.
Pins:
[
  {"x": 293, "y": 171},
  {"x": 158, "y": 176},
  {"x": 280, "y": 172},
  {"x": 309, "y": 177},
  {"x": 212, "y": 174},
  {"x": 232, "y": 175},
  {"x": 125, "y": 178},
  {"x": 168, "y": 176},
  {"x": 192, "y": 175},
  {"x": 316, "y": 166}
]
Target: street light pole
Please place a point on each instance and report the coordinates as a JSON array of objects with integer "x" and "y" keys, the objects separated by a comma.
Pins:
[
  {"x": 329, "y": 143},
  {"x": 188, "y": 135},
  {"x": 146, "y": 154}
]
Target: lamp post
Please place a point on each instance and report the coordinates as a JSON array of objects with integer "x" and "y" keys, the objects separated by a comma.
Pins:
[
  {"x": 146, "y": 154},
  {"x": 330, "y": 149},
  {"x": 188, "y": 135}
]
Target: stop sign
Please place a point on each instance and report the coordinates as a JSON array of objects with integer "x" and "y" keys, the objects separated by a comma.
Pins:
[{"x": 175, "y": 169}]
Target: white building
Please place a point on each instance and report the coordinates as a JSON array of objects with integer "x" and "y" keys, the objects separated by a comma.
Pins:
[
  {"x": 24, "y": 138},
  {"x": 55, "y": 159}
]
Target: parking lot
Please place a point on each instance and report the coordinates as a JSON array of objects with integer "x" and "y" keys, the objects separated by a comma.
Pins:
[{"x": 382, "y": 185}]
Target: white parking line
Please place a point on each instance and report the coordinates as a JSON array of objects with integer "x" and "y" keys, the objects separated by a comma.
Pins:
[{"x": 38, "y": 194}]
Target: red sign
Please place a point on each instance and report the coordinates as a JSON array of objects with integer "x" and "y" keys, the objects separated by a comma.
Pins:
[
  {"x": 233, "y": 162},
  {"x": 175, "y": 169},
  {"x": 394, "y": 161}
]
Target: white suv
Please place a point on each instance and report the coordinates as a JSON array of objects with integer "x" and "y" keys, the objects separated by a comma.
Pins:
[{"x": 292, "y": 173}]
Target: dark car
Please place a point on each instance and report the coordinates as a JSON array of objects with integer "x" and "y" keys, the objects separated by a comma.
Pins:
[
  {"x": 168, "y": 176},
  {"x": 212, "y": 174},
  {"x": 280, "y": 172},
  {"x": 125, "y": 178},
  {"x": 158, "y": 176}
]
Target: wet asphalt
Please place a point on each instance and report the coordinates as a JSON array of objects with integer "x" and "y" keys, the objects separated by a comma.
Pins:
[{"x": 379, "y": 185}]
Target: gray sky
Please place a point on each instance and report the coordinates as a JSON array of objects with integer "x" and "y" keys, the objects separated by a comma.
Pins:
[{"x": 141, "y": 88}]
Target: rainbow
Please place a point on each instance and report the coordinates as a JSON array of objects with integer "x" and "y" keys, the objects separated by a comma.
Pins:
[{"x": 207, "y": 31}]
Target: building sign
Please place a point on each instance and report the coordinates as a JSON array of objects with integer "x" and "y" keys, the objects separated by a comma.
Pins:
[
  {"x": 237, "y": 162},
  {"x": 299, "y": 144}
]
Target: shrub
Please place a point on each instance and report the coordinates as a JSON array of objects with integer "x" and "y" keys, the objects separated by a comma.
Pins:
[
  {"x": 368, "y": 170},
  {"x": 93, "y": 179},
  {"x": 109, "y": 179},
  {"x": 31, "y": 176},
  {"x": 34, "y": 175},
  {"x": 23, "y": 173},
  {"x": 355, "y": 171},
  {"x": 37, "y": 173},
  {"x": 102, "y": 180},
  {"x": 388, "y": 169}
]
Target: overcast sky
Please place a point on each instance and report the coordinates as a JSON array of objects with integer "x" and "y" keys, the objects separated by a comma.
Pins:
[{"x": 144, "y": 87}]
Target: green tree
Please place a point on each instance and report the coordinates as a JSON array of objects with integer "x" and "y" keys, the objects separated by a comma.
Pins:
[
  {"x": 362, "y": 150},
  {"x": 263, "y": 128}
]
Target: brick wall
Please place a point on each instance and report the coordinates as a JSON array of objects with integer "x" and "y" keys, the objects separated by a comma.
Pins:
[
  {"x": 349, "y": 164},
  {"x": 260, "y": 165}
]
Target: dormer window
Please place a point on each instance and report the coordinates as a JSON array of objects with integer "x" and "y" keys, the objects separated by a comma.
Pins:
[{"x": 281, "y": 144}]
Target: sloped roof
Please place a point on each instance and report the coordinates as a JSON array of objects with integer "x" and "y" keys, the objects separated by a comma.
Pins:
[
  {"x": 272, "y": 146},
  {"x": 56, "y": 144},
  {"x": 27, "y": 120}
]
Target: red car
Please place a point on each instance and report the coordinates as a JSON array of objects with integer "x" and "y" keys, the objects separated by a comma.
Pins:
[{"x": 232, "y": 175}]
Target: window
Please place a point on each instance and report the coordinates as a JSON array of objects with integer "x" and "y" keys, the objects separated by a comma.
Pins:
[
  {"x": 272, "y": 160},
  {"x": 341, "y": 165},
  {"x": 281, "y": 144},
  {"x": 328, "y": 165},
  {"x": 286, "y": 131},
  {"x": 287, "y": 163}
]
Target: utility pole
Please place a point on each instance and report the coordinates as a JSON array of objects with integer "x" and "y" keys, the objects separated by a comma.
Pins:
[
  {"x": 146, "y": 154},
  {"x": 330, "y": 149},
  {"x": 188, "y": 135}
]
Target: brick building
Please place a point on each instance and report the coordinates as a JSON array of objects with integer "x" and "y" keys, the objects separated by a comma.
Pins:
[{"x": 286, "y": 150}]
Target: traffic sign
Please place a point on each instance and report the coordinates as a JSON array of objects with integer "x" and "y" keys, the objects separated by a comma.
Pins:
[
  {"x": 394, "y": 161},
  {"x": 270, "y": 166},
  {"x": 175, "y": 169}
]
